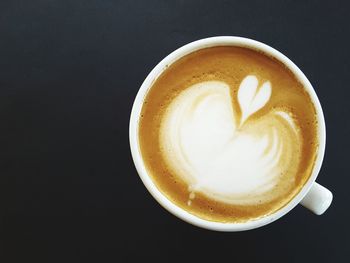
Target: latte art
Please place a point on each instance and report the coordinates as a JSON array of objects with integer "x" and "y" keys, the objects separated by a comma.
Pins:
[
  {"x": 231, "y": 160},
  {"x": 228, "y": 134}
]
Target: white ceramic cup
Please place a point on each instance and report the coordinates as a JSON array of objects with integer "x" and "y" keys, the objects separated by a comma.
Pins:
[{"x": 312, "y": 196}]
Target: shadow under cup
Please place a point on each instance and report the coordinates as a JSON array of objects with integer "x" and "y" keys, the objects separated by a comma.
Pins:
[{"x": 185, "y": 214}]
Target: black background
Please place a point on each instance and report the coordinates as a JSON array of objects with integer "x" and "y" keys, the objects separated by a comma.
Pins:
[{"x": 69, "y": 71}]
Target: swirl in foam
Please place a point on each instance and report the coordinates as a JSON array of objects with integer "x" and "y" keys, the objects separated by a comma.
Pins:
[{"x": 230, "y": 157}]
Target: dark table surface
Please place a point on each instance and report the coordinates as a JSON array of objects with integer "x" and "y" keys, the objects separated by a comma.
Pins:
[{"x": 69, "y": 71}]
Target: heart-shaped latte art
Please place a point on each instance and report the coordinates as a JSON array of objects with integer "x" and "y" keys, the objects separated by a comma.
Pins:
[{"x": 233, "y": 161}]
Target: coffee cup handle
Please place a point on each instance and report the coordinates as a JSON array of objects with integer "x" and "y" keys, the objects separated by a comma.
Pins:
[{"x": 318, "y": 199}]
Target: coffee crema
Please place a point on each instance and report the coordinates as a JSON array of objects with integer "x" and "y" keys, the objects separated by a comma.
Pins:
[{"x": 228, "y": 134}]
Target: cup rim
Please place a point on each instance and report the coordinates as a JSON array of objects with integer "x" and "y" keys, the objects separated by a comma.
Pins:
[{"x": 134, "y": 142}]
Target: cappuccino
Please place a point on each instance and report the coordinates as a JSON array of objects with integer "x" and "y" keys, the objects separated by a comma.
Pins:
[{"x": 228, "y": 134}]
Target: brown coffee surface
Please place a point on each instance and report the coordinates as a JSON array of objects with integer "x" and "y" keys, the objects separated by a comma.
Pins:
[{"x": 229, "y": 65}]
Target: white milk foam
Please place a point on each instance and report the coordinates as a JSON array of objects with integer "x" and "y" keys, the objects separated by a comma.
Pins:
[{"x": 233, "y": 163}]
